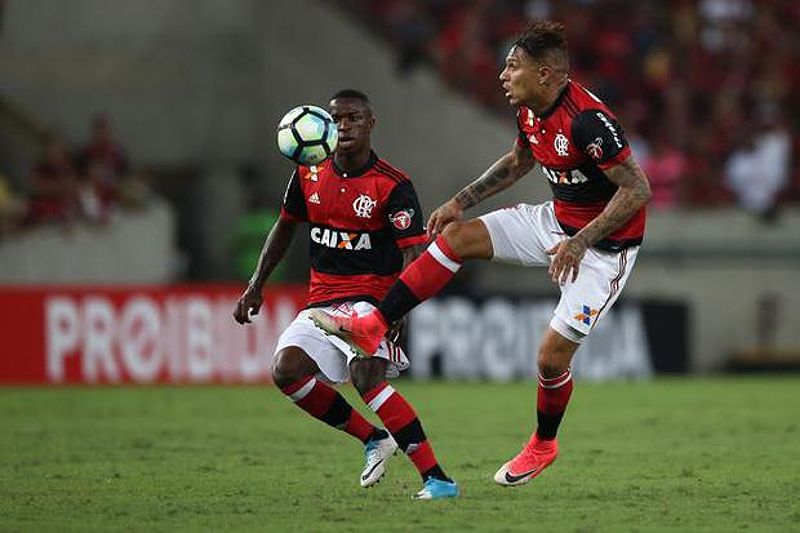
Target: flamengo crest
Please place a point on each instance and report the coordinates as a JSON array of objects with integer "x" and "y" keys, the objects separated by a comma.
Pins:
[
  {"x": 561, "y": 144},
  {"x": 363, "y": 206}
]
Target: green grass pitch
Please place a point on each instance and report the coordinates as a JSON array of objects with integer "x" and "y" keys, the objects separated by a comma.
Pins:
[{"x": 691, "y": 455}]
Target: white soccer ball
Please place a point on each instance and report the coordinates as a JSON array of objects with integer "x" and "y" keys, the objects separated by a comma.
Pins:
[{"x": 307, "y": 135}]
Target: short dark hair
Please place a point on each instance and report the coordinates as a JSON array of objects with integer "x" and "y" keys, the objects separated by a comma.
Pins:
[
  {"x": 542, "y": 37},
  {"x": 351, "y": 93}
]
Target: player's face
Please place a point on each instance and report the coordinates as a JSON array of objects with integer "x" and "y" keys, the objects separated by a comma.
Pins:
[
  {"x": 354, "y": 121},
  {"x": 521, "y": 77}
]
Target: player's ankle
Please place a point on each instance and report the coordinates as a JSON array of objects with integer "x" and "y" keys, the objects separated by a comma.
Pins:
[
  {"x": 378, "y": 434},
  {"x": 435, "y": 472}
]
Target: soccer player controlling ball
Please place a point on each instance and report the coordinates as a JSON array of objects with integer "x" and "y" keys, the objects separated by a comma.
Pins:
[
  {"x": 365, "y": 224},
  {"x": 588, "y": 235}
]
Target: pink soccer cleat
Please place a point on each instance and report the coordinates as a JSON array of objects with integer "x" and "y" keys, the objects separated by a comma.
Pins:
[
  {"x": 351, "y": 329},
  {"x": 529, "y": 463}
]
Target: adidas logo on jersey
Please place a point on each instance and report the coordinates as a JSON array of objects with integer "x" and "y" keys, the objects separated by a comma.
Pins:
[
  {"x": 314, "y": 198},
  {"x": 342, "y": 240}
]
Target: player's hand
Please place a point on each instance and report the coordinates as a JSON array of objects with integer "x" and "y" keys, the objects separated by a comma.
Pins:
[
  {"x": 396, "y": 331},
  {"x": 567, "y": 256},
  {"x": 444, "y": 214},
  {"x": 249, "y": 303}
]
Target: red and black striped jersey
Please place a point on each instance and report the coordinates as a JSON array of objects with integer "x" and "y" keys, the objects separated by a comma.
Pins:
[
  {"x": 359, "y": 222},
  {"x": 575, "y": 141}
]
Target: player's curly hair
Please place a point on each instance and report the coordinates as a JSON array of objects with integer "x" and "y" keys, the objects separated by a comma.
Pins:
[
  {"x": 351, "y": 93},
  {"x": 542, "y": 37}
]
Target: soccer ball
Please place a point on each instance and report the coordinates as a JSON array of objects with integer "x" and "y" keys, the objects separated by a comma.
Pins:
[{"x": 307, "y": 135}]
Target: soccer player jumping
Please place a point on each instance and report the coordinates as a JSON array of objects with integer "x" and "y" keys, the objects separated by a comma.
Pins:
[
  {"x": 588, "y": 236},
  {"x": 365, "y": 224}
]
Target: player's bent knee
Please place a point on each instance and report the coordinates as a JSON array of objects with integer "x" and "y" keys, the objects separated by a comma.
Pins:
[
  {"x": 290, "y": 365},
  {"x": 550, "y": 367},
  {"x": 366, "y": 374},
  {"x": 555, "y": 354},
  {"x": 468, "y": 239}
]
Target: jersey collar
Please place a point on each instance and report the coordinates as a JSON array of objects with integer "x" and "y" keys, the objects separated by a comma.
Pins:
[
  {"x": 373, "y": 158},
  {"x": 550, "y": 110}
]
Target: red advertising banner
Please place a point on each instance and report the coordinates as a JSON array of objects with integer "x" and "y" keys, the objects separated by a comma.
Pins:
[{"x": 110, "y": 335}]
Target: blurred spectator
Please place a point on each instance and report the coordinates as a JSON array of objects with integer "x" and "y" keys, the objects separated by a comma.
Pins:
[
  {"x": 412, "y": 31},
  {"x": 12, "y": 207},
  {"x": 106, "y": 158},
  {"x": 53, "y": 186},
  {"x": 103, "y": 167},
  {"x": 665, "y": 166},
  {"x": 96, "y": 197},
  {"x": 759, "y": 169}
]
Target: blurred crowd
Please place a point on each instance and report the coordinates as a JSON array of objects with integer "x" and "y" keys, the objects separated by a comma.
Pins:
[
  {"x": 67, "y": 186},
  {"x": 706, "y": 89}
]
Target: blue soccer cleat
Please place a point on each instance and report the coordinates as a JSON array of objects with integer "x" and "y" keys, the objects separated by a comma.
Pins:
[{"x": 437, "y": 489}]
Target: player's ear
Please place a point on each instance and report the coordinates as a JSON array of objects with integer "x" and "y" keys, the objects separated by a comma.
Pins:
[{"x": 544, "y": 74}]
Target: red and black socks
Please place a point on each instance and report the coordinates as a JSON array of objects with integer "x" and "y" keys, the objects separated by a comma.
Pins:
[
  {"x": 551, "y": 402},
  {"x": 423, "y": 278},
  {"x": 323, "y": 402},
  {"x": 400, "y": 419}
]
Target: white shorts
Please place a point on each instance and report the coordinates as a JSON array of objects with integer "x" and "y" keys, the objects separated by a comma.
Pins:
[
  {"x": 331, "y": 353},
  {"x": 522, "y": 235}
]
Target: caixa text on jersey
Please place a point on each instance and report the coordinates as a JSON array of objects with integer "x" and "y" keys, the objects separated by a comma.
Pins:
[{"x": 344, "y": 240}]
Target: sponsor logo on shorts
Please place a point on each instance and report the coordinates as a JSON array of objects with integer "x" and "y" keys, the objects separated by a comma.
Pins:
[{"x": 586, "y": 315}]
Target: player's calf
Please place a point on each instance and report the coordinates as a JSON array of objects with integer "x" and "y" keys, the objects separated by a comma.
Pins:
[
  {"x": 365, "y": 375},
  {"x": 401, "y": 420},
  {"x": 294, "y": 373}
]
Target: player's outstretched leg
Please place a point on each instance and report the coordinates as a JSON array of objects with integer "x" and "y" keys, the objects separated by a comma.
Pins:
[
  {"x": 293, "y": 372},
  {"x": 423, "y": 278}
]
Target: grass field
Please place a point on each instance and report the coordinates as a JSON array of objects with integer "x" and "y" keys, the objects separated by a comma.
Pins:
[{"x": 721, "y": 454}]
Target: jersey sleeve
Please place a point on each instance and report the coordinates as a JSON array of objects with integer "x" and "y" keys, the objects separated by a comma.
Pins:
[
  {"x": 405, "y": 216},
  {"x": 294, "y": 205},
  {"x": 600, "y": 137}
]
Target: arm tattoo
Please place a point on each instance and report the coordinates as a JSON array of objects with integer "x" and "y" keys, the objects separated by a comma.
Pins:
[
  {"x": 501, "y": 175},
  {"x": 632, "y": 194}
]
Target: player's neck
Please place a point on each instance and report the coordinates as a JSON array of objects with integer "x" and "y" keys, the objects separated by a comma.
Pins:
[
  {"x": 354, "y": 161},
  {"x": 546, "y": 103}
]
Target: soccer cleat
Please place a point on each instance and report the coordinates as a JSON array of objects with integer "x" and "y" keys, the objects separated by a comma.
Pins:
[
  {"x": 529, "y": 463},
  {"x": 376, "y": 454},
  {"x": 437, "y": 489},
  {"x": 347, "y": 328}
]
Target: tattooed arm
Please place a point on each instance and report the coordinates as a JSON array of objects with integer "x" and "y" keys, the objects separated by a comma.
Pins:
[
  {"x": 504, "y": 173},
  {"x": 501, "y": 175},
  {"x": 632, "y": 194}
]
